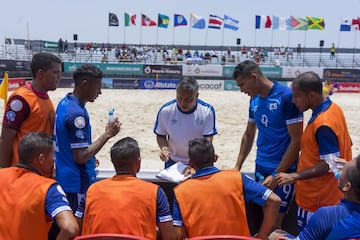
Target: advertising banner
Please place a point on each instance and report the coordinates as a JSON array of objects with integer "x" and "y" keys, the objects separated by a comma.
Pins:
[
  {"x": 66, "y": 83},
  {"x": 13, "y": 65},
  {"x": 202, "y": 70},
  {"x": 231, "y": 85},
  {"x": 112, "y": 68},
  {"x": 346, "y": 87},
  {"x": 292, "y": 72},
  {"x": 14, "y": 83},
  {"x": 125, "y": 83},
  {"x": 158, "y": 84},
  {"x": 211, "y": 84},
  {"x": 270, "y": 72},
  {"x": 162, "y": 69},
  {"x": 346, "y": 75}
]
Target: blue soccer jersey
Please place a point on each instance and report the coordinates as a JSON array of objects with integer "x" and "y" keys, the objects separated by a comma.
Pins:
[
  {"x": 347, "y": 228},
  {"x": 72, "y": 130},
  {"x": 271, "y": 115},
  {"x": 323, "y": 220}
]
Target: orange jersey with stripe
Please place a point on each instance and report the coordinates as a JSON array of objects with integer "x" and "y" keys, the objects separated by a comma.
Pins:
[
  {"x": 122, "y": 204},
  {"x": 213, "y": 204},
  {"x": 314, "y": 193},
  {"x": 22, "y": 208},
  {"x": 41, "y": 118}
]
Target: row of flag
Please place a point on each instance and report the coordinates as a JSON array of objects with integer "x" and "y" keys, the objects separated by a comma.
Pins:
[
  {"x": 289, "y": 23},
  {"x": 301, "y": 23},
  {"x": 163, "y": 21},
  {"x": 217, "y": 22}
]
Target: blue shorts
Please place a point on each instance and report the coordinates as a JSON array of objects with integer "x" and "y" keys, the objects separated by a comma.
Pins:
[
  {"x": 77, "y": 203},
  {"x": 303, "y": 218},
  {"x": 286, "y": 192}
]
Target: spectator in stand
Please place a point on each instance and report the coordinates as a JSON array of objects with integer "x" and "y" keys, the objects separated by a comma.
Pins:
[
  {"x": 60, "y": 45},
  {"x": 244, "y": 51},
  {"x": 298, "y": 51},
  {"x": 332, "y": 51},
  {"x": 29, "y": 107}
]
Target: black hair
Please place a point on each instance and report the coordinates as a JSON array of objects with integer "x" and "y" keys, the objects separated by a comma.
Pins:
[
  {"x": 201, "y": 152},
  {"x": 33, "y": 144},
  {"x": 44, "y": 61},
  {"x": 87, "y": 71},
  {"x": 124, "y": 152},
  {"x": 246, "y": 68},
  {"x": 308, "y": 82}
]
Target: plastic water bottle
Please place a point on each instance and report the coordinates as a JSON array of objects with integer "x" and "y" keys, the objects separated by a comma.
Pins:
[
  {"x": 329, "y": 159},
  {"x": 111, "y": 116},
  {"x": 260, "y": 176}
]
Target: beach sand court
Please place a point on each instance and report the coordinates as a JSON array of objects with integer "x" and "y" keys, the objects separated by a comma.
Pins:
[{"x": 137, "y": 110}]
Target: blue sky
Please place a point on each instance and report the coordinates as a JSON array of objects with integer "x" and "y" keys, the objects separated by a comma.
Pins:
[{"x": 50, "y": 20}]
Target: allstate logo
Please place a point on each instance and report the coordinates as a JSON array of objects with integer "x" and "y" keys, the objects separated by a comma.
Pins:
[
  {"x": 149, "y": 84},
  {"x": 147, "y": 69}
]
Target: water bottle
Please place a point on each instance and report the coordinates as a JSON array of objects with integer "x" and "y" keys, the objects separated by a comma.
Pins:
[
  {"x": 111, "y": 116},
  {"x": 329, "y": 159},
  {"x": 260, "y": 176}
]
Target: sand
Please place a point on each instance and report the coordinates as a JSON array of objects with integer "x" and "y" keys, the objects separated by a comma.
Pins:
[{"x": 137, "y": 110}]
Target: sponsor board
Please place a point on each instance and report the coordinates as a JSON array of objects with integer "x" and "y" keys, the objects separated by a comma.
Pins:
[
  {"x": 123, "y": 83},
  {"x": 202, "y": 70},
  {"x": 211, "y": 84},
  {"x": 109, "y": 68},
  {"x": 158, "y": 84},
  {"x": 231, "y": 85},
  {"x": 14, "y": 83},
  {"x": 162, "y": 69},
  {"x": 13, "y": 65},
  {"x": 342, "y": 74},
  {"x": 270, "y": 72},
  {"x": 293, "y": 72},
  {"x": 346, "y": 87},
  {"x": 66, "y": 83}
]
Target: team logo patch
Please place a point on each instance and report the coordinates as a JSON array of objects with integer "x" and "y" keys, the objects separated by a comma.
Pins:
[
  {"x": 16, "y": 105},
  {"x": 80, "y": 134},
  {"x": 10, "y": 115},
  {"x": 79, "y": 122}
]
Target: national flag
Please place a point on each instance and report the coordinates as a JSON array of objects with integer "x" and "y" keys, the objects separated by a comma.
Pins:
[
  {"x": 215, "y": 21},
  {"x": 298, "y": 23},
  {"x": 146, "y": 21},
  {"x": 179, "y": 20},
  {"x": 281, "y": 23},
  {"x": 4, "y": 87},
  {"x": 262, "y": 21},
  {"x": 113, "y": 20},
  {"x": 197, "y": 21},
  {"x": 231, "y": 23},
  {"x": 355, "y": 24},
  {"x": 129, "y": 19},
  {"x": 9, "y": 41},
  {"x": 163, "y": 21},
  {"x": 316, "y": 23}
]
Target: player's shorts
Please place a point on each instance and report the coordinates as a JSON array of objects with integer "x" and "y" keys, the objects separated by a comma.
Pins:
[
  {"x": 77, "y": 203},
  {"x": 303, "y": 218},
  {"x": 285, "y": 192}
]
